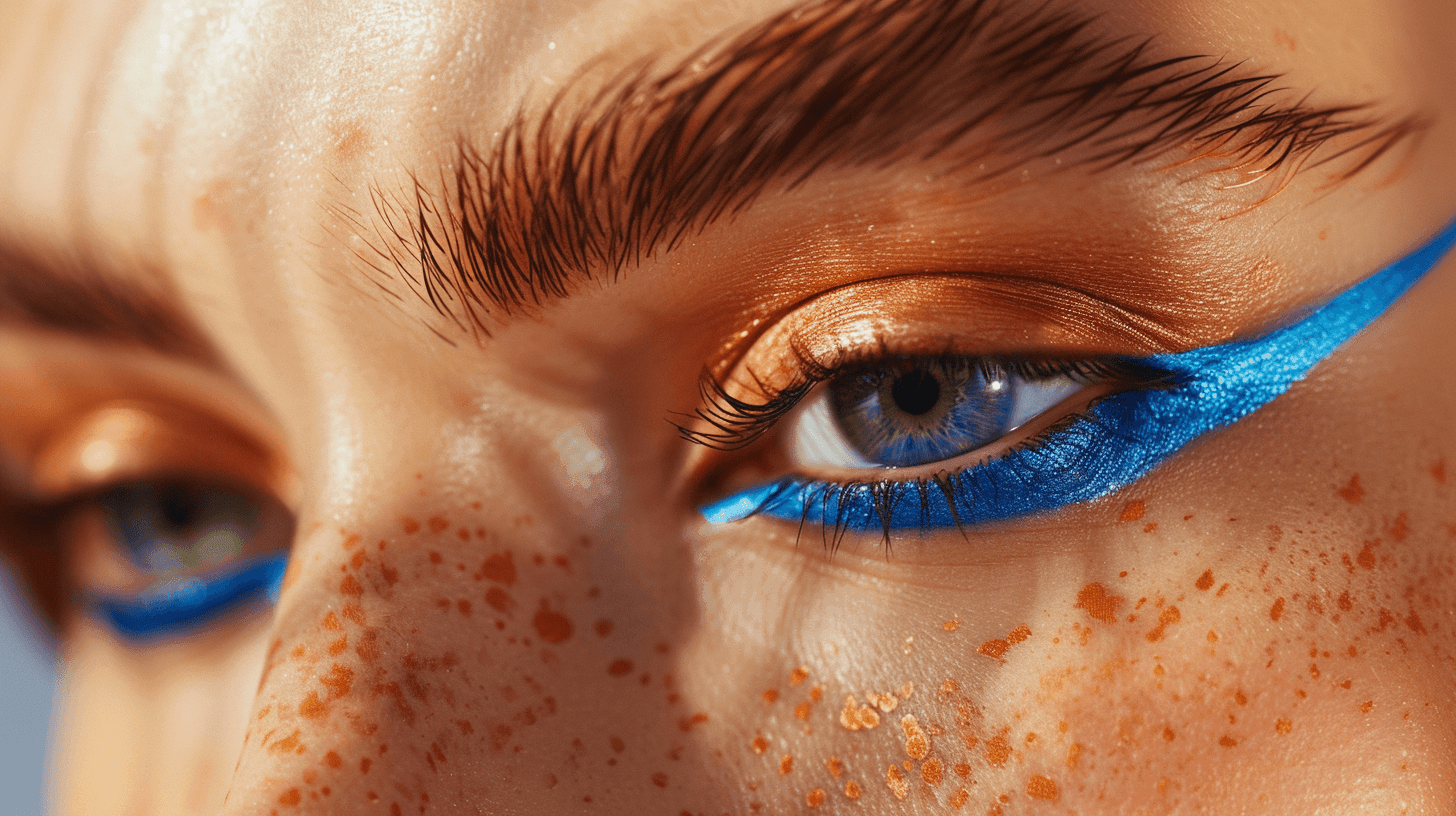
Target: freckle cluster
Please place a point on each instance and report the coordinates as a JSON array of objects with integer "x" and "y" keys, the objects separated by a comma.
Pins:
[
  {"x": 1141, "y": 646},
  {"x": 488, "y": 709}
]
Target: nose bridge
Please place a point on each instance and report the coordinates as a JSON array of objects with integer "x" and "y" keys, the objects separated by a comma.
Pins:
[{"x": 469, "y": 655}]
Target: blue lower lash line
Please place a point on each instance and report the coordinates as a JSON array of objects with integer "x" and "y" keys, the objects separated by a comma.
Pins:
[
  {"x": 1121, "y": 438},
  {"x": 180, "y": 605}
]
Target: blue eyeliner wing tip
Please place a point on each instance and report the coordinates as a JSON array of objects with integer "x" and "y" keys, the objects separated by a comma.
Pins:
[{"x": 736, "y": 507}]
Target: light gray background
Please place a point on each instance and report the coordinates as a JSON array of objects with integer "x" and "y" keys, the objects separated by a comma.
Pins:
[{"x": 27, "y": 680}]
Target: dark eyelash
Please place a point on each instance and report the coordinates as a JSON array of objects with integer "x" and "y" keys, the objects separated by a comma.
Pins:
[{"x": 734, "y": 423}]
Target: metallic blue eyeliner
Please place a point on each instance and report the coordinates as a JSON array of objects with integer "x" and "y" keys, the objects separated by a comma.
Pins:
[
  {"x": 180, "y": 605},
  {"x": 1120, "y": 439}
]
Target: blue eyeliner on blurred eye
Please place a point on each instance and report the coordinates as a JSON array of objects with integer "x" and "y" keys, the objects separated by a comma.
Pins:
[
  {"x": 1168, "y": 401},
  {"x": 199, "y": 543}
]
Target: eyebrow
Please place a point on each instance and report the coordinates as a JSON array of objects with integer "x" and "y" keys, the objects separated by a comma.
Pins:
[
  {"x": 82, "y": 293},
  {"x": 597, "y": 181}
]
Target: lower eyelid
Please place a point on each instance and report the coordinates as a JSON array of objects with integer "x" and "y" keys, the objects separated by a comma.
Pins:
[{"x": 185, "y": 604}]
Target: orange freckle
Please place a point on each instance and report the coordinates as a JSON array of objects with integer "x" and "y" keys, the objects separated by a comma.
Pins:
[
  {"x": 553, "y": 627},
  {"x": 1277, "y": 610},
  {"x": 1073, "y": 753},
  {"x": 932, "y": 772},
  {"x": 358, "y": 560},
  {"x": 950, "y": 625},
  {"x": 1205, "y": 581},
  {"x": 1240, "y": 698},
  {"x": 1227, "y": 741},
  {"x": 770, "y": 696},
  {"x": 994, "y": 648},
  {"x": 659, "y": 779},
  {"x": 802, "y": 711},
  {"x": 834, "y": 766},
  {"x": 350, "y": 586},
  {"x": 851, "y": 789},
  {"x": 290, "y": 797},
  {"x": 1132, "y": 511},
  {"x": 333, "y": 760},
  {"x": 436, "y": 558},
  {"x": 500, "y": 567},
  {"x": 786, "y": 764},
  {"x": 364, "y": 764},
  {"x": 354, "y": 613},
  {"x": 1352, "y": 492},
  {"x": 1366, "y": 558},
  {"x": 896, "y": 782},
  {"x": 759, "y": 745},
  {"x": 499, "y": 599},
  {"x": 1040, "y": 787},
  {"x": 464, "y": 607},
  {"x": 917, "y": 742},
  {"x": 962, "y": 770},
  {"x": 338, "y": 681},
  {"x": 798, "y": 675},
  {"x": 1283, "y": 726},
  {"x": 1100, "y": 605},
  {"x": 438, "y": 524},
  {"x": 409, "y": 524},
  {"x": 619, "y": 668},
  {"x": 997, "y": 751},
  {"x": 1018, "y": 634},
  {"x": 1366, "y": 706},
  {"x": 312, "y": 707},
  {"x": 816, "y": 694},
  {"x": 331, "y": 622},
  {"x": 1159, "y": 671},
  {"x": 1166, "y": 618},
  {"x": 687, "y": 723},
  {"x": 815, "y": 797},
  {"x": 949, "y": 687},
  {"x": 1212, "y": 636}
]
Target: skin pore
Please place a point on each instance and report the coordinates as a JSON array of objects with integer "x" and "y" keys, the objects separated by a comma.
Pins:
[{"x": 501, "y": 597}]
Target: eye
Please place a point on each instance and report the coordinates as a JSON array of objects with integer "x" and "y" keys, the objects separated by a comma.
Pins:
[
  {"x": 918, "y": 411},
  {"x": 168, "y": 557}
]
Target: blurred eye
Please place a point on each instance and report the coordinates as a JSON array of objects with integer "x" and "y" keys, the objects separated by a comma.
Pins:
[
  {"x": 909, "y": 412},
  {"x": 169, "y": 557}
]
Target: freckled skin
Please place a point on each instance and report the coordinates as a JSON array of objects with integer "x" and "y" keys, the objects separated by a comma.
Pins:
[{"x": 501, "y": 599}]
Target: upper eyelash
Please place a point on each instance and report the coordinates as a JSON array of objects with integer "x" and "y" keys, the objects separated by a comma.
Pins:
[{"x": 734, "y": 423}]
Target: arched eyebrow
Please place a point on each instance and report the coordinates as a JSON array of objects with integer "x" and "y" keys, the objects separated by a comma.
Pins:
[{"x": 595, "y": 181}]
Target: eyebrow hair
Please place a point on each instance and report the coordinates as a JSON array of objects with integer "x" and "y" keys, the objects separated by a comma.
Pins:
[
  {"x": 654, "y": 156},
  {"x": 81, "y": 293}
]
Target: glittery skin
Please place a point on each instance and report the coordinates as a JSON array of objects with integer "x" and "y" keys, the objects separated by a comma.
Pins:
[{"x": 1121, "y": 439}]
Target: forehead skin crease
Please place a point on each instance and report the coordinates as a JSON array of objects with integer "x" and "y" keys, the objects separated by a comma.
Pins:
[{"x": 492, "y": 611}]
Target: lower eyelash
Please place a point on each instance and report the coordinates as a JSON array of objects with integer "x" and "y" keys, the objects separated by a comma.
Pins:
[
  {"x": 181, "y": 605},
  {"x": 1046, "y": 471},
  {"x": 1115, "y": 442}
]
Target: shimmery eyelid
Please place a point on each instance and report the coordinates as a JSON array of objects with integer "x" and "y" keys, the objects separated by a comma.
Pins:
[{"x": 1121, "y": 438}]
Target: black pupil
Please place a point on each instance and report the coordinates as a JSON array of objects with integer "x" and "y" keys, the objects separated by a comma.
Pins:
[
  {"x": 915, "y": 392},
  {"x": 181, "y": 507}
]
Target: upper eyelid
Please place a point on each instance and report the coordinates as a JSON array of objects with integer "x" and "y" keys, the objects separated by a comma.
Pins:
[{"x": 1139, "y": 431}]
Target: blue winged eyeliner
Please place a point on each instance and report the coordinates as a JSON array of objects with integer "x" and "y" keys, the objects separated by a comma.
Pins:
[
  {"x": 183, "y": 604},
  {"x": 1118, "y": 440}
]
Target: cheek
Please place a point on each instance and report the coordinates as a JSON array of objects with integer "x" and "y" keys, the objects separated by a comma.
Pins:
[
  {"x": 1314, "y": 652},
  {"x": 439, "y": 662}
]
